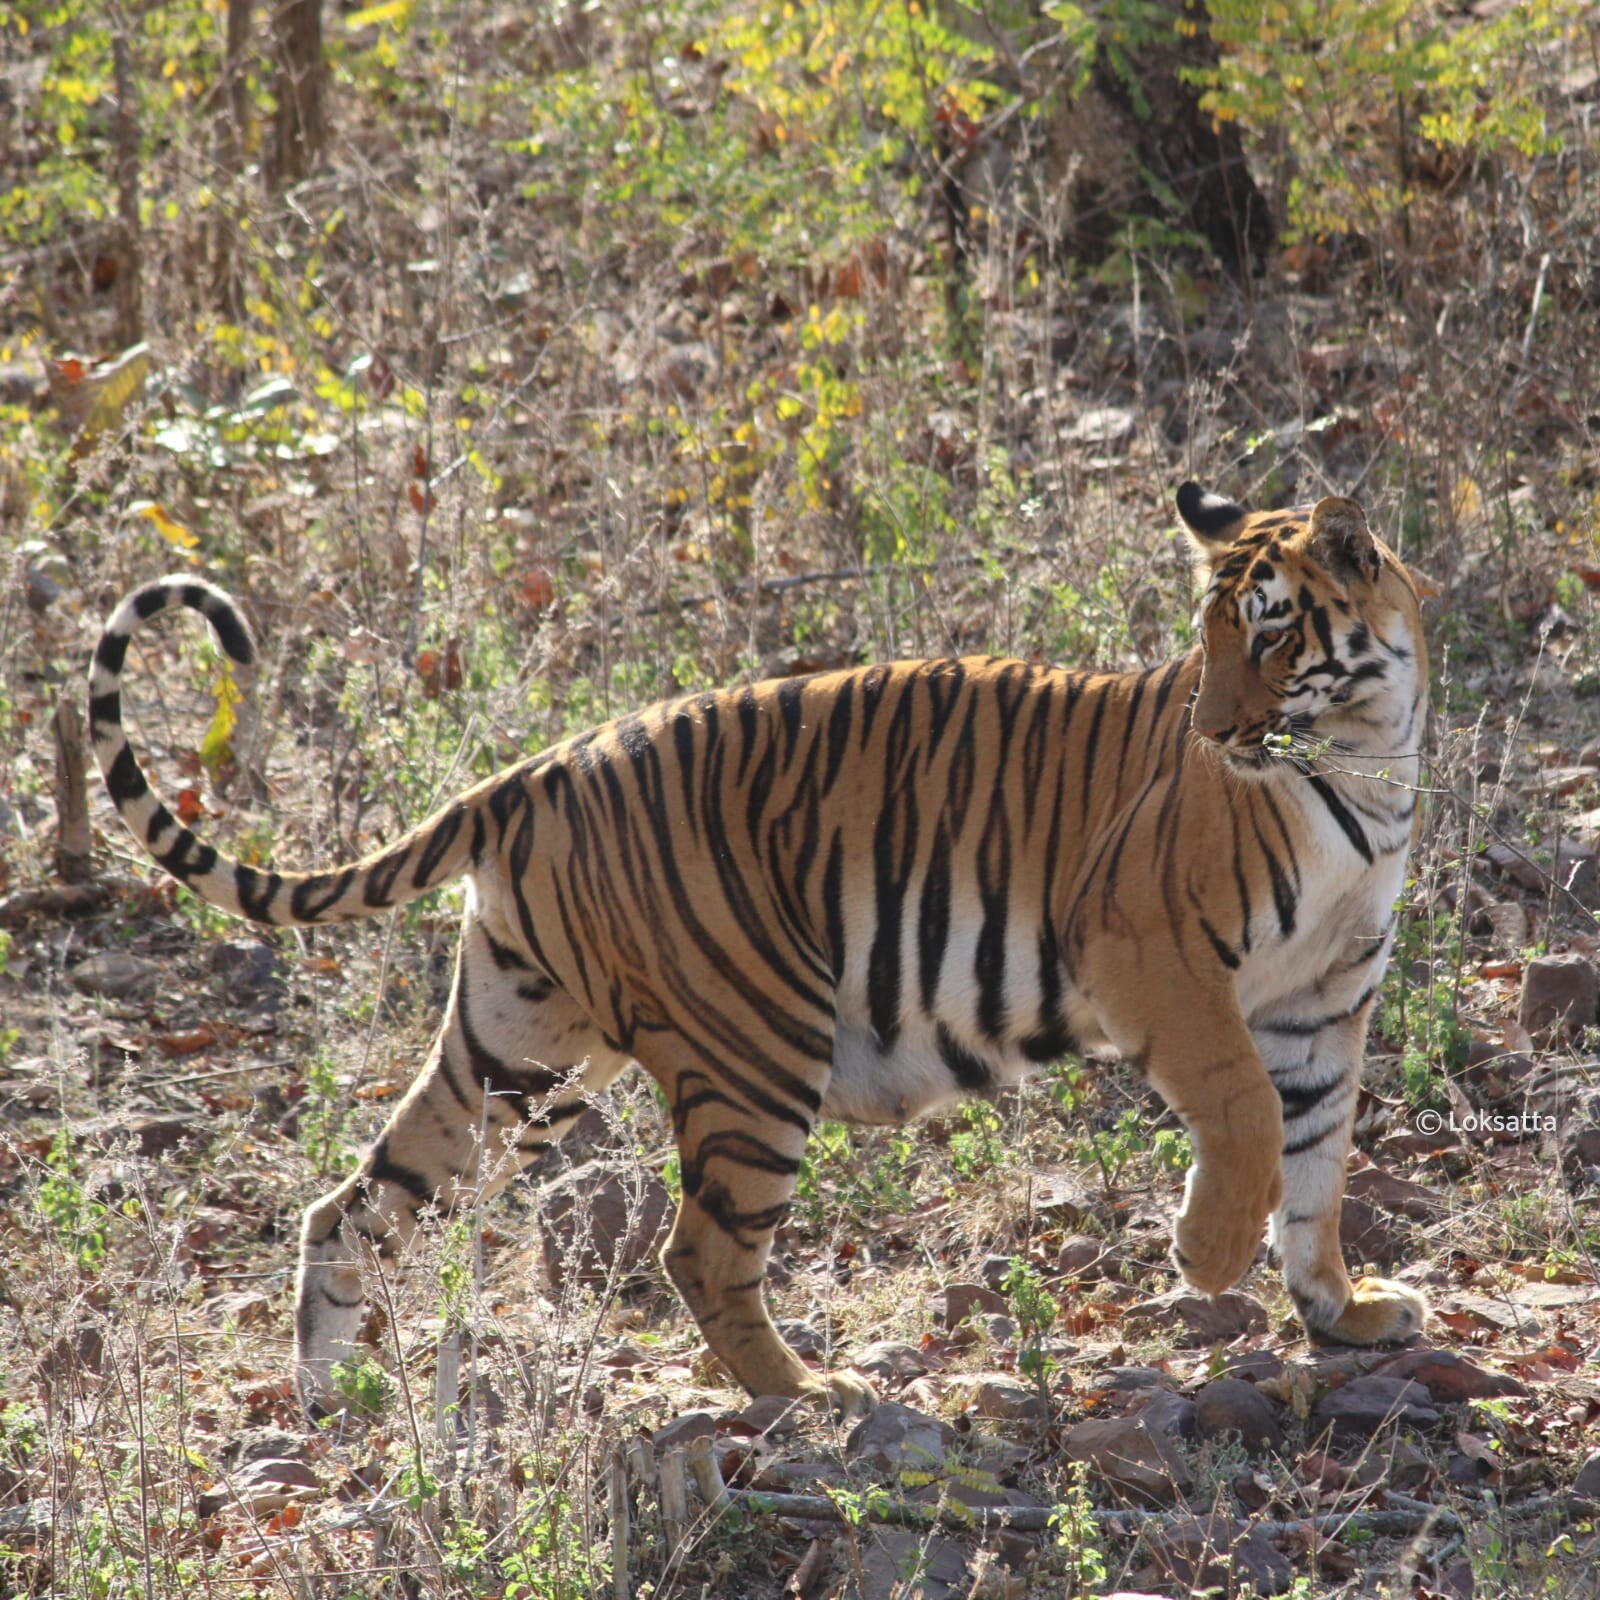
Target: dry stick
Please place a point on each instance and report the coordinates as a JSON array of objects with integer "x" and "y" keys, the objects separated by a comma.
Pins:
[
  {"x": 674, "y": 1501},
  {"x": 74, "y": 843},
  {"x": 1412, "y": 1517},
  {"x": 617, "y": 1511}
]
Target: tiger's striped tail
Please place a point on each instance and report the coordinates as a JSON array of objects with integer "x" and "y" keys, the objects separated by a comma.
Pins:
[{"x": 440, "y": 849}]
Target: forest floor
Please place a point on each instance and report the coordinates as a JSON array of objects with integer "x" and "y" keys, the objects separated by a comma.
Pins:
[{"x": 493, "y": 446}]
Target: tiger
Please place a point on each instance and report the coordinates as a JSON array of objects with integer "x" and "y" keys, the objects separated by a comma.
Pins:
[{"x": 864, "y": 893}]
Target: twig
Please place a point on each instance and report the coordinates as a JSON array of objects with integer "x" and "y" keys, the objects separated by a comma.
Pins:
[
  {"x": 617, "y": 1510},
  {"x": 1413, "y": 1516}
]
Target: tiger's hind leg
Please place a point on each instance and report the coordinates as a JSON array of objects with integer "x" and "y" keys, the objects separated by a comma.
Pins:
[
  {"x": 515, "y": 1057},
  {"x": 739, "y": 1156},
  {"x": 1319, "y": 1107}
]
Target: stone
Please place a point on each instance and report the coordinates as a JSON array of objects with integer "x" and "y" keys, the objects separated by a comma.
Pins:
[
  {"x": 775, "y": 1415},
  {"x": 957, "y": 1301},
  {"x": 247, "y": 966},
  {"x": 262, "y": 1487},
  {"x": 1232, "y": 1406},
  {"x": 113, "y": 974},
  {"x": 804, "y": 1338},
  {"x": 1106, "y": 426},
  {"x": 1132, "y": 1379},
  {"x": 1084, "y": 1257},
  {"x": 1140, "y": 1463},
  {"x": 1254, "y": 1366},
  {"x": 1387, "y": 1191},
  {"x": 1201, "y": 1554},
  {"x": 896, "y": 1439},
  {"x": 601, "y": 1218},
  {"x": 680, "y": 1431},
  {"x": 1589, "y": 755},
  {"x": 1507, "y": 924},
  {"x": 1587, "y": 1483},
  {"x": 1450, "y": 1379},
  {"x": 1560, "y": 995},
  {"x": 1359, "y": 1409},
  {"x": 999, "y": 1396},
  {"x": 1369, "y": 1234},
  {"x": 1192, "y": 1318},
  {"x": 899, "y": 1564},
  {"x": 1168, "y": 1414},
  {"x": 891, "y": 1359}
]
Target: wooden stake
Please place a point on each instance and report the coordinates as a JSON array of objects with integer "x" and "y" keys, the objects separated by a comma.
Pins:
[{"x": 73, "y": 842}]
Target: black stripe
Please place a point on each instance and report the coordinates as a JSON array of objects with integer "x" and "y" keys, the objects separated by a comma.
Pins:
[
  {"x": 125, "y": 781},
  {"x": 1336, "y": 808},
  {"x": 256, "y": 891},
  {"x": 312, "y": 896},
  {"x": 1224, "y": 954},
  {"x": 443, "y": 836},
  {"x": 149, "y": 600},
  {"x": 972, "y": 1073},
  {"x": 112, "y": 652}
]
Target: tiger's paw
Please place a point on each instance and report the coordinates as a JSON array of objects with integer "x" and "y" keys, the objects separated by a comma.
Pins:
[
  {"x": 846, "y": 1394},
  {"x": 1218, "y": 1233},
  {"x": 1379, "y": 1311}
]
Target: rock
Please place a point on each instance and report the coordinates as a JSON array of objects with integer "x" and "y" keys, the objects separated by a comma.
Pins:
[
  {"x": 264, "y": 1444},
  {"x": 601, "y": 1217},
  {"x": 1368, "y": 1234},
  {"x": 957, "y": 1301},
  {"x": 1358, "y": 1409},
  {"x": 1450, "y": 1379},
  {"x": 1456, "y": 1582},
  {"x": 113, "y": 974},
  {"x": 1106, "y": 426},
  {"x": 1169, "y": 1414},
  {"x": 804, "y": 1338},
  {"x": 1232, "y": 1406},
  {"x": 1589, "y": 756},
  {"x": 1560, "y": 995},
  {"x": 983, "y": 1326},
  {"x": 1084, "y": 1257},
  {"x": 153, "y": 1135},
  {"x": 1132, "y": 1378},
  {"x": 1062, "y": 1197},
  {"x": 1587, "y": 1483},
  {"x": 1492, "y": 1312},
  {"x": 679, "y": 1431},
  {"x": 1254, "y": 1366},
  {"x": 775, "y": 1415},
  {"x": 994, "y": 1272},
  {"x": 1379, "y": 1187},
  {"x": 1199, "y": 1555},
  {"x": 898, "y": 1564},
  {"x": 1507, "y": 923},
  {"x": 999, "y": 1396},
  {"x": 247, "y": 966},
  {"x": 891, "y": 1359},
  {"x": 1140, "y": 1463},
  {"x": 896, "y": 1439},
  {"x": 262, "y": 1487},
  {"x": 1192, "y": 1318}
]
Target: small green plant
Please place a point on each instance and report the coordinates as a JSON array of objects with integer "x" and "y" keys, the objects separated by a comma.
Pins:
[
  {"x": 1036, "y": 1312},
  {"x": 322, "y": 1118},
  {"x": 1077, "y": 1537},
  {"x": 364, "y": 1383},
  {"x": 8, "y": 1036},
  {"x": 977, "y": 1146},
  {"x": 77, "y": 1219}
]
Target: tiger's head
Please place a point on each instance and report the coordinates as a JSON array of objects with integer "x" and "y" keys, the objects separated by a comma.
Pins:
[{"x": 1311, "y": 631}]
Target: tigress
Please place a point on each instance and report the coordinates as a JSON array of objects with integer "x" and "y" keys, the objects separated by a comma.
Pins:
[{"x": 862, "y": 893}]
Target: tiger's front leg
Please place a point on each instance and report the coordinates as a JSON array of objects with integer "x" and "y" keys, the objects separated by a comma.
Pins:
[
  {"x": 1319, "y": 1081},
  {"x": 1193, "y": 1045}
]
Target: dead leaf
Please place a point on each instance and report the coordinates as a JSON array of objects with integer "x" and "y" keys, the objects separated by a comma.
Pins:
[{"x": 187, "y": 1044}]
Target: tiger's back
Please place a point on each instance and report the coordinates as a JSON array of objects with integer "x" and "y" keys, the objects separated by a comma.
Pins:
[{"x": 862, "y": 893}]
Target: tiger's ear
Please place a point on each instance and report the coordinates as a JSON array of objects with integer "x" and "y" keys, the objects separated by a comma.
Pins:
[
  {"x": 1341, "y": 539},
  {"x": 1210, "y": 522}
]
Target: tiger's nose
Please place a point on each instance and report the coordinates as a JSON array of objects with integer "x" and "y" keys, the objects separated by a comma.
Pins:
[{"x": 1213, "y": 728}]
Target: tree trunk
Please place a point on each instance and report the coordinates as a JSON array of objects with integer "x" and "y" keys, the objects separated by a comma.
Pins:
[
  {"x": 130, "y": 312},
  {"x": 232, "y": 128},
  {"x": 300, "y": 129},
  {"x": 1138, "y": 120}
]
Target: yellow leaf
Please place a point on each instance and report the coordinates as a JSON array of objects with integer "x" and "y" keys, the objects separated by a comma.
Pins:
[
  {"x": 215, "y": 747},
  {"x": 389, "y": 11},
  {"x": 167, "y": 526}
]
